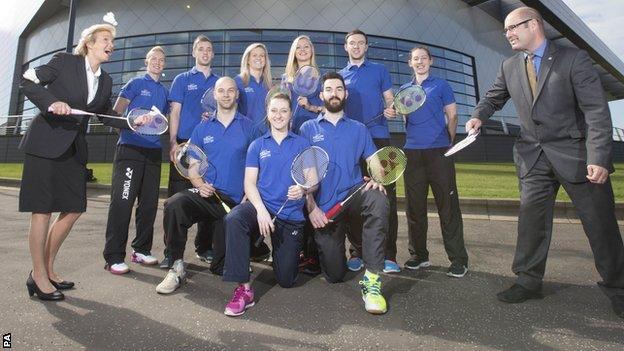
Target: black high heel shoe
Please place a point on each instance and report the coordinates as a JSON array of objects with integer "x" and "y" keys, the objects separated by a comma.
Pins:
[
  {"x": 34, "y": 289},
  {"x": 64, "y": 285}
]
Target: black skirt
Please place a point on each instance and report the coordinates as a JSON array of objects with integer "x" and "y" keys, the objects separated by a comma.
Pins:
[{"x": 53, "y": 184}]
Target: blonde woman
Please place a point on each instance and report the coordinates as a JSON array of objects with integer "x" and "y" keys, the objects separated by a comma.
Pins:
[
  {"x": 136, "y": 171},
  {"x": 254, "y": 82},
  {"x": 302, "y": 54},
  {"x": 55, "y": 148}
]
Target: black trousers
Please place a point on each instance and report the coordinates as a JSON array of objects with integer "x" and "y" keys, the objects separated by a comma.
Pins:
[
  {"x": 136, "y": 174},
  {"x": 595, "y": 206},
  {"x": 369, "y": 210},
  {"x": 429, "y": 167},
  {"x": 177, "y": 183},
  {"x": 242, "y": 229},
  {"x": 355, "y": 230},
  {"x": 186, "y": 208}
]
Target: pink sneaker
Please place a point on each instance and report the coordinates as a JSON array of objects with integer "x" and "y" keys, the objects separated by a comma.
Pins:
[{"x": 242, "y": 300}]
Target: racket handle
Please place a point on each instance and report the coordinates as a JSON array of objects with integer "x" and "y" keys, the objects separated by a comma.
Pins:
[{"x": 333, "y": 211}]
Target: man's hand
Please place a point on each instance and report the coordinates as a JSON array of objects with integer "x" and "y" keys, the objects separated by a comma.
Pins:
[
  {"x": 60, "y": 108},
  {"x": 371, "y": 184},
  {"x": 317, "y": 218},
  {"x": 172, "y": 151},
  {"x": 206, "y": 190},
  {"x": 389, "y": 112},
  {"x": 597, "y": 174},
  {"x": 473, "y": 124}
]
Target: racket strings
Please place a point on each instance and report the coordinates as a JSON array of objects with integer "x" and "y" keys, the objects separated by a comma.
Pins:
[
  {"x": 387, "y": 165},
  {"x": 309, "y": 168},
  {"x": 157, "y": 125}
]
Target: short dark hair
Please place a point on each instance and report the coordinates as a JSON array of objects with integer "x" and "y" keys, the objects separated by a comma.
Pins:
[
  {"x": 332, "y": 75},
  {"x": 354, "y": 32}
]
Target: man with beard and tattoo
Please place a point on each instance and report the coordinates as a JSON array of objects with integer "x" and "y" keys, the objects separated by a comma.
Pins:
[{"x": 347, "y": 142}]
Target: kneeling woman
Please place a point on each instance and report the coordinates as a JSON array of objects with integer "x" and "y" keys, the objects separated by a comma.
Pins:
[{"x": 267, "y": 185}]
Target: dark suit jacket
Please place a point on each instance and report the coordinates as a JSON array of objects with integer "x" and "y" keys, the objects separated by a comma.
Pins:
[
  {"x": 50, "y": 135},
  {"x": 569, "y": 118}
]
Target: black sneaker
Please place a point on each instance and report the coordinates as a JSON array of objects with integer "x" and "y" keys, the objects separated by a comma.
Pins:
[
  {"x": 260, "y": 253},
  {"x": 417, "y": 263},
  {"x": 310, "y": 266},
  {"x": 457, "y": 270},
  {"x": 205, "y": 256},
  {"x": 166, "y": 263}
]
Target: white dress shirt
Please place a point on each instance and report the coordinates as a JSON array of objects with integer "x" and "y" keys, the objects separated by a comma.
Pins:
[{"x": 93, "y": 79}]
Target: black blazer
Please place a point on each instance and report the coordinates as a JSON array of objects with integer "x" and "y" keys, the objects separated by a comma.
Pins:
[
  {"x": 569, "y": 118},
  {"x": 51, "y": 135}
]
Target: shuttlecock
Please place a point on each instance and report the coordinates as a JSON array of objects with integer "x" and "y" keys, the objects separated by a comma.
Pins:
[
  {"x": 110, "y": 18},
  {"x": 31, "y": 75}
]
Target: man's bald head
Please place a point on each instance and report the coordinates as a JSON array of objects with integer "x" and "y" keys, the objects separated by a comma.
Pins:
[{"x": 524, "y": 29}]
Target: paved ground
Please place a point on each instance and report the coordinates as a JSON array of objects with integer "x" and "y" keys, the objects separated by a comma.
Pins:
[{"x": 428, "y": 310}]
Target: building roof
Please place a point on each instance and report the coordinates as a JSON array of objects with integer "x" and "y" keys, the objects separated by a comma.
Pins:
[{"x": 565, "y": 28}]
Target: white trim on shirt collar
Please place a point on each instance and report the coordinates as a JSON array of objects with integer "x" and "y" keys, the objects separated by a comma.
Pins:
[{"x": 88, "y": 68}]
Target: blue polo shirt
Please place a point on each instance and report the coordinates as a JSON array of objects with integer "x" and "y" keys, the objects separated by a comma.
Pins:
[
  {"x": 426, "y": 127},
  {"x": 366, "y": 85},
  {"x": 273, "y": 161},
  {"x": 226, "y": 149},
  {"x": 251, "y": 98},
  {"x": 300, "y": 114},
  {"x": 187, "y": 89},
  {"x": 143, "y": 92},
  {"x": 346, "y": 144}
]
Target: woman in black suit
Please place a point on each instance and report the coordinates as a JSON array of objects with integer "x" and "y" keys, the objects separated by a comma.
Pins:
[{"x": 55, "y": 149}]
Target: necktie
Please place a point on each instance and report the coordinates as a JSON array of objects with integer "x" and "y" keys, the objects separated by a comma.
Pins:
[{"x": 530, "y": 67}]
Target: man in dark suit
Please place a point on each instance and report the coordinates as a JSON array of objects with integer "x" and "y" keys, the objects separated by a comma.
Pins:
[{"x": 565, "y": 139}]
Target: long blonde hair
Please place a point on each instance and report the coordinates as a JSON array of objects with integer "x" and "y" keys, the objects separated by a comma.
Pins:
[
  {"x": 244, "y": 68},
  {"x": 291, "y": 63}
]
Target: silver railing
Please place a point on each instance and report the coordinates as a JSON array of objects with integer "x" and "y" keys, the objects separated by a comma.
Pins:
[{"x": 18, "y": 124}]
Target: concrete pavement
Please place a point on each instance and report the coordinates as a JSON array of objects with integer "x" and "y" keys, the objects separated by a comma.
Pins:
[{"x": 428, "y": 310}]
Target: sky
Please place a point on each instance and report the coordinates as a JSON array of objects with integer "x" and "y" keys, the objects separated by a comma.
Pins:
[{"x": 602, "y": 17}]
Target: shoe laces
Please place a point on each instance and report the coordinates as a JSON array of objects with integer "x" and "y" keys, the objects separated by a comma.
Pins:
[
  {"x": 239, "y": 294},
  {"x": 371, "y": 286}
]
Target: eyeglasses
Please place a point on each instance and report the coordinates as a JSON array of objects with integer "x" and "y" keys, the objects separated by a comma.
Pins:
[{"x": 513, "y": 27}]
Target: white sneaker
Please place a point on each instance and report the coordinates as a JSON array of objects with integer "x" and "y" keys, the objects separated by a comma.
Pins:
[
  {"x": 174, "y": 278},
  {"x": 118, "y": 268},
  {"x": 144, "y": 259}
]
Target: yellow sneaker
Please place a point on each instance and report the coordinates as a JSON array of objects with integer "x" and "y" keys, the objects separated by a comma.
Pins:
[{"x": 374, "y": 302}]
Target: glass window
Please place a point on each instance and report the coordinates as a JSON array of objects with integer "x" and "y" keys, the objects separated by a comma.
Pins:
[
  {"x": 127, "y": 60},
  {"x": 171, "y": 38},
  {"x": 319, "y": 37},
  {"x": 144, "y": 40},
  {"x": 243, "y": 35},
  {"x": 278, "y": 35}
]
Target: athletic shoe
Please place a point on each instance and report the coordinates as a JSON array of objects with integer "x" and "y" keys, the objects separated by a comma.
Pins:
[
  {"x": 144, "y": 259},
  {"x": 457, "y": 270},
  {"x": 205, "y": 256},
  {"x": 117, "y": 268},
  {"x": 391, "y": 267},
  {"x": 260, "y": 253},
  {"x": 416, "y": 263},
  {"x": 166, "y": 263},
  {"x": 174, "y": 278},
  {"x": 310, "y": 266},
  {"x": 241, "y": 300},
  {"x": 355, "y": 264},
  {"x": 374, "y": 302}
]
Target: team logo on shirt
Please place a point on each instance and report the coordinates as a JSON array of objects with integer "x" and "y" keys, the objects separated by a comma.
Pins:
[
  {"x": 318, "y": 138},
  {"x": 294, "y": 233},
  {"x": 191, "y": 86},
  {"x": 249, "y": 89},
  {"x": 125, "y": 193},
  {"x": 265, "y": 154},
  {"x": 208, "y": 139},
  {"x": 146, "y": 92}
]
